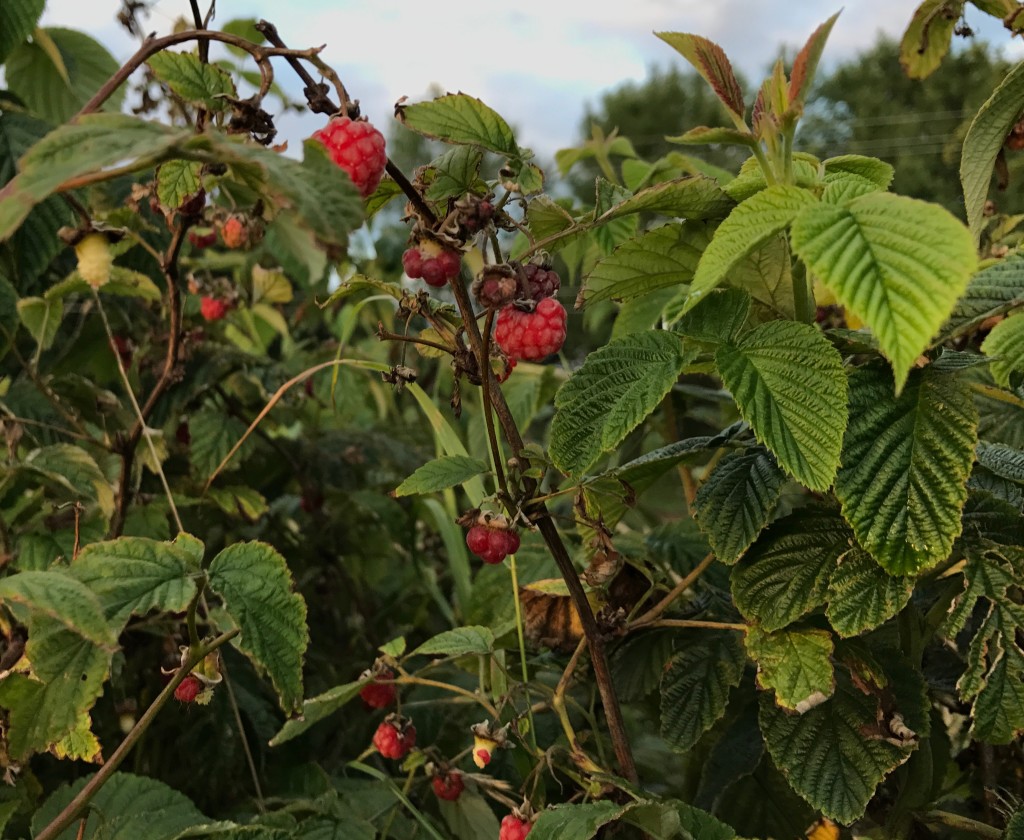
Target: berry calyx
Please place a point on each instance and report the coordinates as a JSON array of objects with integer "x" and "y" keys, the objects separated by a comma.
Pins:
[
  {"x": 492, "y": 545},
  {"x": 379, "y": 695},
  {"x": 357, "y": 148},
  {"x": 448, "y": 785},
  {"x": 514, "y": 828},
  {"x": 432, "y": 262},
  {"x": 394, "y": 738},
  {"x": 188, "y": 689},
  {"x": 541, "y": 282},
  {"x": 213, "y": 309},
  {"x": 531, "y": 336}
]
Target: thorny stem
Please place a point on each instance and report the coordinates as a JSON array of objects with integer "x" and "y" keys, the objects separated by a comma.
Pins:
[
  {"x": 961, "y": 823},
  {"x": 558, "y": 704},
  {"x": 73, "y": 810},
  {"x": 655, "y": 612},
  {"x": 522, "y": 640},
  {"x": 693, "y": 624},
  {"x": 598, "y": 657},
  {"x": 492, "y": 438}
]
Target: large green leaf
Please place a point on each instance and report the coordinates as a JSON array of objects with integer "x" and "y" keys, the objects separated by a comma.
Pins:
[
  {"x": 440, "y": 474},
  {"x": 17, "y": 20},
  {"x": 984, "y": 141},
  {"x": 656, "y": 259},
  {"x": 766, "y": 274},
  {"x": 906, "y": 460},
  {"x": 616, "y": 388},
  {"x": 57, "y": 92},
  {"x": 785, "y": 573},
  {"x": 254, "y": 582},
  {"x": 824, "y": 754},
  {"x": 747, "y": 227},
  {"x": 316, "y": 709},
  {"x": 133, "y": 575},
  {"x": 126, "y": 806},
  {"x": 70, "y": 646},
  {"x": 192, "y": 80},
  {"x": 458, "y": 118},
  {"x": 576, "y": 821},
  {"x": 1005, "y": 345},
  {"x": 690, "y": 197},
  {"x": 795, "y": 663},
  {"x": 717, "y": 319},
  {"x": 789, "y": 384},
  {"x": 992, "y": 291},
  {"x": 695, "y": 686},
  {"x": 897, "y": 263},
  {"x": 862, "y": 595},
  {"x": 736, "y": 501},
  {"x": 455, "y": 173}
]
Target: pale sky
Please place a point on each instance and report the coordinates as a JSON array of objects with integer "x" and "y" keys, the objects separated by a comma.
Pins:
[{"x": 536, "y": 62}]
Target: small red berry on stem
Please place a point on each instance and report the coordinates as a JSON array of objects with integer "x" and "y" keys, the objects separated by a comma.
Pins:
[
  {"x": 492, "y": 545},
  {"x": 213, "y": 309},
  {"x": 202, "y": 237},
  {"x": 431, "y": 261},
  {"x": 531, "y": 336},
  {"x": 448, "y": 785},
  {"x": 395, "y": 737},
  {"x": 514, "y": 828},
  {"x": 188, "y": 689},
  {"x": 379, "y": 695},
  {"x": 358, "y": 149}
]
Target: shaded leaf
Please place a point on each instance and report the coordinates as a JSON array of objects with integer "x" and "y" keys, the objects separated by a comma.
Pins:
[
  {"x": 992, "y": 291},
  {"x": 192, "y": 80},
  {"x": 692, "y": 197},
  {"x": 927, "y": 37},
  {"x": 316, "y": 709},
  {"x": 905, "y": 465},
  {"x": 862, "y": 595},
  {"x": 458, "y": 642},
  {"x": 440, "y": 474},
  {"x": 796, "y": 664},
  {"x": 17, "y": 20},
  {"x": 1005, "y": 346}
]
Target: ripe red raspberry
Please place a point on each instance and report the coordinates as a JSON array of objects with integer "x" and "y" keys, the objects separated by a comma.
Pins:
[
  {"x": 188, "y": 689},
  {"x": 213, "y": 309},
  {"x": 492, "y": 544},
  {"x": 358, "y": 148},
  {"x": 234, "y": 233},
  {"x": 434, "y": 263},
  {"x": 542, "y": 282},
  {"x": 379, "y": 695},
  {"x": 513, "y": 828},
  {"x": 394, "y": 740},
  {"x": 448, "y": 785},
  {"x": 531, "y": 336}
]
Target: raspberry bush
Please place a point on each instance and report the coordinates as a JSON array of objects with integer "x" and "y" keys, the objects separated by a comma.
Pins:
[{"x": 750, "y": 517}]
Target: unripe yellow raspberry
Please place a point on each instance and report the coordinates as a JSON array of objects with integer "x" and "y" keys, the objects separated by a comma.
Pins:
[{"x": 94, "y": 259}]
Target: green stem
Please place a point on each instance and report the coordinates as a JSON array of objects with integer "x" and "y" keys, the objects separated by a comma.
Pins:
[
  {"x": 399, "y": 795},
  {"x": 522, "y": 650},
  {"x": 766, "y": 167},
  {"x": 73, "y": 810},
  {"x": 803, "y": 295}
]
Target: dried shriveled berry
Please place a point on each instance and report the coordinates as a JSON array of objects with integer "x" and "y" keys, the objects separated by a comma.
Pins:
[
  {"x": 542, "y": 282},
  {"x": 448, "y": 785}
]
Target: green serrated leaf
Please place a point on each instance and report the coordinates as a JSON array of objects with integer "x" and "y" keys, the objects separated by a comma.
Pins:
[
  {"x": 737, "y": 500},
  {"x": 637, "y": 664},
  {"x": 177, "y": 181},
  {"x": 133, "y": 575},
  {"x": 897, "y": 263},
  {"x": 862, "y": 595},
  {"x": 695, "y": 686},
  {"x": 825, "y": 757},
  {"x": 876, "y": 172},
  {"x": 717, "y": 319},
  {"x": 132, "y": 806},
  {"x": 693, "y": 197},
  {"x": 74, "y": 469},
  {"x": 789, "y": 384},
  {"x": 458, "y": 642},
  {"x": 192, "y": 80},
  {"x": 17, "y": 20},
  {"x": 577, "y": 821},
  {"x": 905, "y": 465},
  {"x": 548, "y": 219},
  {"x": 796, "y": 664},
  {"x": 656, "y": 259},
  {"x": 750, "y": 225},
  {"x": 617, "y": 387},
  {"x": 1004, "y": 461},
  {"x": 711, "y": 62},
  {"x": 455, "y": 173},
  {"x": 440, "y": 474},
  {"x": 785, "y": 574},
  {"x": 992, "y": 291},
  {"x": 254, "y": 582},
  {"x": 316, "y": 709},
  {"x": 213, "y": 434},
  {"x": 1005, "y": 346},
  {"x": 458, "y": 118},
  {"x": 927, "y": 37},
  {"x": 57, "y": 90}
]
